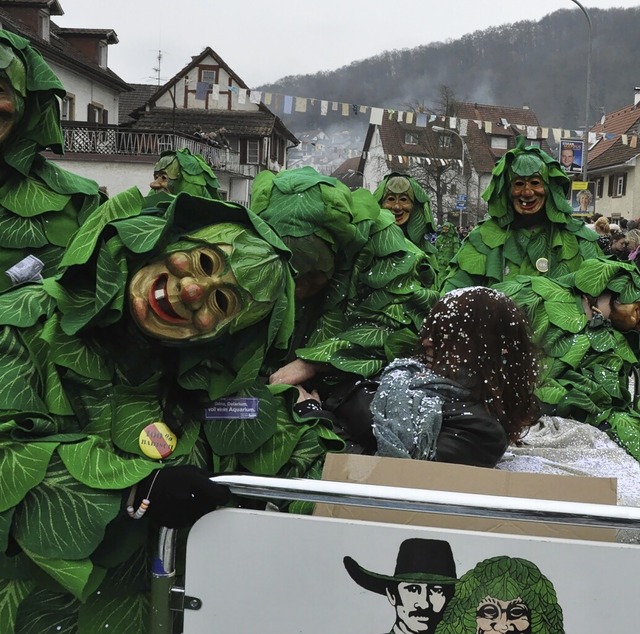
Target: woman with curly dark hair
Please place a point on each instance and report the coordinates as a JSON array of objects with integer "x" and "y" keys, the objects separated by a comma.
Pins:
[{"x": 470, "y": 391}]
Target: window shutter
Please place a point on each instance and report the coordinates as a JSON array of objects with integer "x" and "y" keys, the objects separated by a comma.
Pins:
[
  {"x": 243, "y": 150},
  {"x": 611, "y": 183},
  {"x": 105, "y": 117},
  {"x": 91, "y": 114},
  {"x": 624, "y": 183}
]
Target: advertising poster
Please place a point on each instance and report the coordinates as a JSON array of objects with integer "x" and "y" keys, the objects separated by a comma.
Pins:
[
  {"x": 583, "y": 198},
  {"x": 571, "y": 155}
]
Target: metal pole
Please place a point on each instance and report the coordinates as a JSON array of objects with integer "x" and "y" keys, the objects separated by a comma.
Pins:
[
  {"x": 432, "y": 501},
  {"x": 438, "y": 128},
  {"x": 585, "y": 136}
]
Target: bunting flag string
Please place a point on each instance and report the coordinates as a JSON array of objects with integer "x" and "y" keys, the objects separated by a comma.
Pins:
[{"x": 290, "y": 104}]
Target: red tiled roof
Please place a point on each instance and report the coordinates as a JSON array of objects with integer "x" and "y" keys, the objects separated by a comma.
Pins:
[
  {"x": 57, "y": 48},
  {"x": 609, "y": 152},
  {"x": 477, "y": 141}
]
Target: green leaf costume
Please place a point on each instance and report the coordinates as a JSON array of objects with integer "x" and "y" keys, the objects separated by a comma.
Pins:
[
  {"x": 447, "y": 245},
  {"x": 498, "y": 248},
  {"x": 587, "y": 363},
  {"x": 375, "y": 301},
  {"x": 420, "y": 223},
  {"x": 505, "y": 579},
  {"x": 80, "y": 381},
  {"x": 41, "y": 205},
  {"x": 188, "y": 173}
]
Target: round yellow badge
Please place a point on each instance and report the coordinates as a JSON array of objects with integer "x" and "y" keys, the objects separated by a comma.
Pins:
[
  {"x": 542, "y": 264},
  {"x": 157, "y": 441}
]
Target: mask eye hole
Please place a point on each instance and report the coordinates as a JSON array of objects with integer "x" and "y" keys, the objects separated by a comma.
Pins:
[
  {"x": 222, "y": 301},
  {"x": 206, "y": 264}
]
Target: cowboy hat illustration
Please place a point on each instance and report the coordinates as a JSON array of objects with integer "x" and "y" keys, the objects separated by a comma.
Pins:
[{"x": 428, "y": 561}]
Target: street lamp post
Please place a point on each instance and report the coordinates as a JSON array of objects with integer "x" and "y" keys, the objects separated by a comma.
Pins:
[
  {"x": 586, "y": 107},
  {"x": 438, "y": 128}
]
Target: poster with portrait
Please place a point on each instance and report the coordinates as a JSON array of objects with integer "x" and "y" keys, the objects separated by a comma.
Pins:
[
  {"x": 571, "y": 155},
  {"x": 275, "y": 573},
  {"x": 583, "y": 198}
]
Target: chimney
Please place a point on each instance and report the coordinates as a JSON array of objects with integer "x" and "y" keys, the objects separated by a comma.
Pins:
[
  {"x": 525, "y": 106},
  {"x": 636, "y": 96}
]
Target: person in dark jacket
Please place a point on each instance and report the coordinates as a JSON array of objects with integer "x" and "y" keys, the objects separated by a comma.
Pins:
[{"x": 467, "y": 395}]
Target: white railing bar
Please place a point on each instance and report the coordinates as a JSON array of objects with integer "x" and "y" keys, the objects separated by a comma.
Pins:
[{"x": 429, "y": 501}]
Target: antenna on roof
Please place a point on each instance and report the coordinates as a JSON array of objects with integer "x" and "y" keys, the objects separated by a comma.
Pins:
[{"x": 157, "y": 69}]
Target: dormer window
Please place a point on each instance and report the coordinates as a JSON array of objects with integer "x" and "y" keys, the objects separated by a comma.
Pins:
[
  {"x": 43, "y": 25},
  {"x": 102, "y": 54},
  {"x": 499, "y": 142},
  {"x": 410, "y": 139},
  {"x": 444, "y": 140}
]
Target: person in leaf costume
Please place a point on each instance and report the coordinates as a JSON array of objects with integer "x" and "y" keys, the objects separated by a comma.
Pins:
[
  {"x": 170, "y": 315},
  {"x": 41, "y": 205},
  {"x": 530, "y": 229},
  {"x": 410, "y": 205},
  {"x": 180, "y": 171},
  {"x": 360, "y": 300},
  {"x": 503, "y": 594},
  {"x": 87, "y": 370},
  {"x": 447, "y": 245},
  {"x": 586, "y": 324}
]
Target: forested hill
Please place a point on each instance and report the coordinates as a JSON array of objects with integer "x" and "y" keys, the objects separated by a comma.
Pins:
[{"x": 542, "y": 64}]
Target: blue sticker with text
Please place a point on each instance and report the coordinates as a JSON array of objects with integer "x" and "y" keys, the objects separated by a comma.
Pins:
[{"x": 232, "y": 407}]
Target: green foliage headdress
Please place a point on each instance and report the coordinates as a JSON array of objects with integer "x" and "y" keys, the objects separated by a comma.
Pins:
[
  {"x": 419, "y": 223},
  {"x": 314, "y": 215},
  {"x": 37, "y": 91},
  {"x": 189, "y": 172},
  {"x": 525, "y": 160},
  {"x": 122, "y": 235}
]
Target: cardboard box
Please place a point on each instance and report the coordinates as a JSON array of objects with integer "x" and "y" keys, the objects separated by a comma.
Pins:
[{"x": 451, "y": 477}]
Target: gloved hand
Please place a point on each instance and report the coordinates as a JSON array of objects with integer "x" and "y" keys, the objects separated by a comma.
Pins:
[{"x": 180, "y": 495}]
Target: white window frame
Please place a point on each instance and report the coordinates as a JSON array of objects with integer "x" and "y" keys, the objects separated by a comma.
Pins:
[
  {"x": 210, "y": 77},
  {"x": 619, "y": 186},
  {"x": 410, "y": 139},
  {"x": 43, "y": 25},
  {"x": 68, "y": 107},
  {"x": 253, "y": 152},
  {"x": 103, "y": 57}
]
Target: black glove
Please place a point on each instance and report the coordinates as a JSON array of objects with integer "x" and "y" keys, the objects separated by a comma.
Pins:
[{"x": 180, "y": 495}]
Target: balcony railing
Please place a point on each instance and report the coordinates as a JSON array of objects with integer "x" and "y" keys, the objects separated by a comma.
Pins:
[{"x": 112, "y": 140}]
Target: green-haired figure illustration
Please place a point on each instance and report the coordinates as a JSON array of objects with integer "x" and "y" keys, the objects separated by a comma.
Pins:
[{"x": 503, "y": 594}]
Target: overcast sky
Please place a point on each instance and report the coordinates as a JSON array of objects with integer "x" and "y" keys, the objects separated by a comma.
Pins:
[{"x": 263, "y": 41}]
